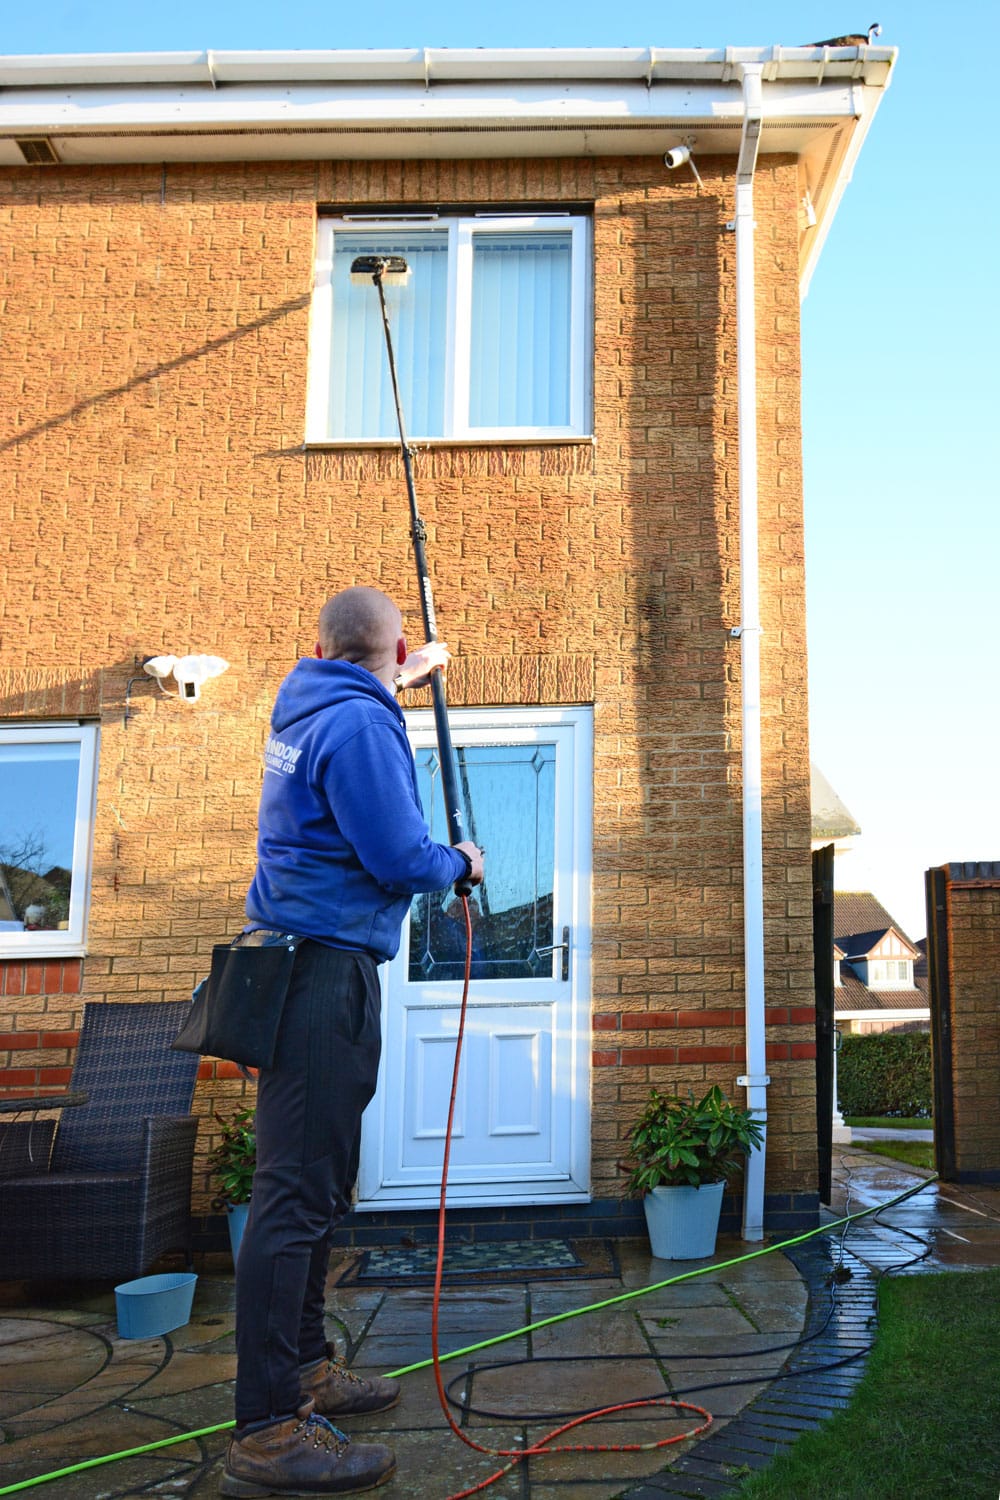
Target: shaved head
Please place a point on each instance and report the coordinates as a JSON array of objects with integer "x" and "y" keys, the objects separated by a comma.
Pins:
[{"x": 359, "y": 625}]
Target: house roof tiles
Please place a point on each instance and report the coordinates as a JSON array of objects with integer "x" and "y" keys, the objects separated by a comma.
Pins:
[
  {"x": 860, "y": 920},
  {"x": 852, "y": 995}
]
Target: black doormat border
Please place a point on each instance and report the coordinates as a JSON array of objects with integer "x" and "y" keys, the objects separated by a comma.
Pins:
[{"x": 469, "y": 1263}]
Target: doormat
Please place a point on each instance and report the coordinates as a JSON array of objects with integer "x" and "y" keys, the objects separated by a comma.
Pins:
[{"x": 467, "y": 1264}]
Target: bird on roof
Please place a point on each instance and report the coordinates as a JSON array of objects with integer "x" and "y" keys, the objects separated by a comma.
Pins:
[{"x": 856, "y": 39}]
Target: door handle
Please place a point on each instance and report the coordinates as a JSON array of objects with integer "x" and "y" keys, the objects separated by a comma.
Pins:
[{"x": 562, "y": 947}]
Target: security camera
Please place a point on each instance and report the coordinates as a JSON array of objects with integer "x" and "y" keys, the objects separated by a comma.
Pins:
[
  {"x": 189, "y": 676},
  {"x": 678, "y": 156},
  {"x": 189, "y": 672}
]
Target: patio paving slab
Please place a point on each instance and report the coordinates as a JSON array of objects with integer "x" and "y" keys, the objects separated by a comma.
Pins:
[{"x": 69, "y": 1386}]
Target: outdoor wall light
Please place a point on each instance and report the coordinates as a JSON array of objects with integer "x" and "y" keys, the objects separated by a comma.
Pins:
[{"x": 188, "y": 672}]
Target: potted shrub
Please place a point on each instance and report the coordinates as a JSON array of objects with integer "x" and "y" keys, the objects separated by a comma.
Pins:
[
  {"x": 681, "y": 1152},
  {"x": 232, "y": 1162}
]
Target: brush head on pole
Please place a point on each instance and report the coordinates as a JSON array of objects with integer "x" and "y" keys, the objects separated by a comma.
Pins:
[{"x": 391, "y": 270}]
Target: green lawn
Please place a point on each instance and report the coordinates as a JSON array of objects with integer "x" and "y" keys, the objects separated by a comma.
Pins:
[
  {"x": 924, "y": 1423},
  {"x": 913, "y": 1153},
  {"x": 889, "y": 1122}
]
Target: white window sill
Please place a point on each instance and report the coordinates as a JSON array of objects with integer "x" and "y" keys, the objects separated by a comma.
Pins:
[
  {"x": 584, "y": 440},
  {"x": 42, "y": 952}
]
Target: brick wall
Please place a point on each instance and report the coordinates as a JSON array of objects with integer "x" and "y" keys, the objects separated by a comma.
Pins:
[
  {"x": 151, "y": 417},
  {"x": 968, "y": 931},
  {"x": 40, "y": 1008}
]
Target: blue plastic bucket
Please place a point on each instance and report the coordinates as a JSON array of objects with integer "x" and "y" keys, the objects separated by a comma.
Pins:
[{"x": 154, "y": 1304}]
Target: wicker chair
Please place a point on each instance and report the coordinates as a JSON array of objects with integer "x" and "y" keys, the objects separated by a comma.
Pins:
[{"x": 114, "y": 1192}]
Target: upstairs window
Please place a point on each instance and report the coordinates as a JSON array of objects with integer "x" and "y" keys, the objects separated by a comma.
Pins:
[
  {"x": 47, "y": 778},
  {"x": 890, "y": 974},
  {"x": 491, "y": 331}
]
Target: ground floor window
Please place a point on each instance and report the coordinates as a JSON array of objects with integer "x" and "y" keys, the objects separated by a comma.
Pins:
[{"x": 47, "y": 778}]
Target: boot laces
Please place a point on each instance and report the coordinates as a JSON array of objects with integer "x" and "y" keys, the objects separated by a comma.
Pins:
[
  {"x": 323, "y": 1434},
  {"x": 339, "y": 1368}
]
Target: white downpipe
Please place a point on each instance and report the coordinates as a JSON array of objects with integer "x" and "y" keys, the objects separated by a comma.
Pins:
[{"x": 755, "y": 1079}]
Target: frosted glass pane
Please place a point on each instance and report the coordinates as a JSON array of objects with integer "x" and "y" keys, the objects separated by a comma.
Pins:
[
  {"x": 361, "y": 404},
  {"x": 509, "y": 791},
  {"x": 520, "y": 366}
]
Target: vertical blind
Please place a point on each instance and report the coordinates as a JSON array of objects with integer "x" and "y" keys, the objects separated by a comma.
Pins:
[
  {"x": 517, "y": 332},
  {"x": 361, "y": 404},
  {"x": 519, "y": 369}
]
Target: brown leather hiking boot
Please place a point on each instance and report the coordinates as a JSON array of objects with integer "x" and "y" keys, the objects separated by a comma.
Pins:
[
  {"x": 303, "y": 1455},
  {"x": 338, "y": 1392}
]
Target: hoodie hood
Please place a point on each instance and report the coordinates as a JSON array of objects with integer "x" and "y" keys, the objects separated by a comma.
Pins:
[{"x": 313, "y": 685}]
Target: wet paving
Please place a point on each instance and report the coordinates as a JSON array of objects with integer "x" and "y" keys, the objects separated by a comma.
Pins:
[{"x": 728, "y": 1341}]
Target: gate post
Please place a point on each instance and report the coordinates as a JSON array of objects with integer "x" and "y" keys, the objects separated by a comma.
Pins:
[{"x": 822, "y": 865}]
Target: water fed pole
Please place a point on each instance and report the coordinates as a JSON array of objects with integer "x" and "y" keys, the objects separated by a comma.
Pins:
[{"x": 393, "y": 268}]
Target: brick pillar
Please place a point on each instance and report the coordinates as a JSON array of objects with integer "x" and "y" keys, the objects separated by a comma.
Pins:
[{"x": 963, "y": 923}]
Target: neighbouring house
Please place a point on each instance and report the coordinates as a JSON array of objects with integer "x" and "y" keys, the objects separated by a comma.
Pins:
[
  {"x": 832, "y": 821},
  {"x": 600, "y": 364},
  {"x": 880, "y": 976}
]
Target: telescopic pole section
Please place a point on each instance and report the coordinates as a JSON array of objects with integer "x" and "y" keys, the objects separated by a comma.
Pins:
[{"x": 418, "y": 535}]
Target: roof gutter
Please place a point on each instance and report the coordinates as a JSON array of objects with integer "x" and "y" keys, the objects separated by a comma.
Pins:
[
  {"x": 427, "y": 65},
  {"x": 755, "y": 1080}
]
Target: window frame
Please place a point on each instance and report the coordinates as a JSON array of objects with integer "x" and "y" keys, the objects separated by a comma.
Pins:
[
  {"x": 462, "y": 230},
  {"x": 889, "y": 974},
  {"x": 71, "y": 941}
]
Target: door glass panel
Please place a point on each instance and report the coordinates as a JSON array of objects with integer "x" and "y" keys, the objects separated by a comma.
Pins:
[{"x": 509, "y": 795}]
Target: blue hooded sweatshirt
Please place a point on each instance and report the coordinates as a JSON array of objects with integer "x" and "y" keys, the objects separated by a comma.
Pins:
[{"x": 342, "y": 844}]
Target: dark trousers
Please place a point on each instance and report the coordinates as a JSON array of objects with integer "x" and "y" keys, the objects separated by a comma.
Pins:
[{"x": 309, "y": 1107}]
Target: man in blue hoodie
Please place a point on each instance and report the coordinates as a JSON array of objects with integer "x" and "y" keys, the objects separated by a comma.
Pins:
[{"x": 342, "y": 848}]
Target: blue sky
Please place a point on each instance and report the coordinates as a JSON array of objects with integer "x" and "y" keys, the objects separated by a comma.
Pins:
[{"x": 900, "y": 333}]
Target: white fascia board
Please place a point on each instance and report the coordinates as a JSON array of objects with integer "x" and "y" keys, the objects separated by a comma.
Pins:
[{"x": 131, "y": 107}]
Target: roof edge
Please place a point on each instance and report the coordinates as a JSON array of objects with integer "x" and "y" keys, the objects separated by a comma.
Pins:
[{"x": 432, "y": 64}]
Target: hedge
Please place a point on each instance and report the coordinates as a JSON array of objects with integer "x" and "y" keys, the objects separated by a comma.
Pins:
[{"x": 886, "y": 1073}]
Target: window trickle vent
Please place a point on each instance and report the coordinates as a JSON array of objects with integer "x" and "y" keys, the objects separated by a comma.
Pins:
[{"x": 37, "y": 150}]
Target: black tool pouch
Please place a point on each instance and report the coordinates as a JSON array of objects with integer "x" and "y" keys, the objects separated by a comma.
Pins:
[{"x": 236, "y": 1011}]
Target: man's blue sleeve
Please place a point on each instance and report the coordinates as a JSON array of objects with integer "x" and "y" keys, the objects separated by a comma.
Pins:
[{"x": 369, "y": 783}]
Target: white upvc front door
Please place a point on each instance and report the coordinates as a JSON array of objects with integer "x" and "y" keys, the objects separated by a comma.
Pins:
[{"x": 522, "y": 1123}]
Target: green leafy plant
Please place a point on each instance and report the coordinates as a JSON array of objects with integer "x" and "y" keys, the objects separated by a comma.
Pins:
[
  {"x": 233, "y": 1160},
  {"x": 679, "y": 1142}
]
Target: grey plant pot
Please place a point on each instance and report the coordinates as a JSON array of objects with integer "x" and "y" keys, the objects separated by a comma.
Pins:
[{"x": 683, "y": 1222}]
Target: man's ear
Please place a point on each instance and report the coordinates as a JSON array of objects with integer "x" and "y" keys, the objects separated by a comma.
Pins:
[
  {"x": 401, "y": 650},
  {"x": 319, "y": 650}
]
